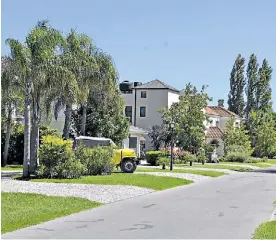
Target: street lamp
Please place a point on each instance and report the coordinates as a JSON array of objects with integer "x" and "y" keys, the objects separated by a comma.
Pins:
[{"x": 171, "y": 128}]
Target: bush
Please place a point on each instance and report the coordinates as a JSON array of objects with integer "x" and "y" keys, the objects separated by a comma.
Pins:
[
  {"x": 274, "y": 157},
  {"x": 16, "y": 148},
  {"x": 96, "y": 160},
  {"x": 163, "y": 161},
  {"x": 189, "y": 158},
  {"x": 57, "y": 159},
  {"x": 264, "y": 159},
  {"x": 152, "y": 156},
  {"x": 237, "y": 153},
  {"x": 237, "y": 157},
  {"x": 222, "y": 159},
  {"x": 252, "y": 160}
]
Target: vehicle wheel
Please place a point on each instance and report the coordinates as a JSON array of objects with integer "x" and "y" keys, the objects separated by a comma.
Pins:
[{"x": 128, "y": 166}]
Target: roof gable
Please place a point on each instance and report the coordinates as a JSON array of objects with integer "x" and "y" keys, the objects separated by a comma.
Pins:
[
  {"x": 156, "y": 84},
  {"x": 220, "y": 111},
  {"x": 214, "y": 132}
]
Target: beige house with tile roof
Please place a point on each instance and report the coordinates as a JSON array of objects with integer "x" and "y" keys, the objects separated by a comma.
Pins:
[{"x": 219, "y": 116}]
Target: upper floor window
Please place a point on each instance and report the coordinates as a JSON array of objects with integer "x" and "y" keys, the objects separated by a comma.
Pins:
[
  {"x": 143, "y": 94},
  {"x": 217, "y": 123},
  {"x": 128, "y": 113},
  {"x": 142, "y": 111}
]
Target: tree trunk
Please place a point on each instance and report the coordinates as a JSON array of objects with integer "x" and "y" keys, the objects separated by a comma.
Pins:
[
  {"x": 34, "y": 147},
  {"x": 83, "y": 119},
  {"x": 35, "y": 132},
  {"x": 27, "y": 129},
  {"x": 68, "y": 113},
  {"x": 7, "y": 139}
]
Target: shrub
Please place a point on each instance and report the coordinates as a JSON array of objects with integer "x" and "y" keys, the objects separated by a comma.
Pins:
[
  {"x": 152, "y": 156},
  {"x": 274, "y": 157},
  {"x": 96, "y": 160},
  {"x": 189, "y": 158},
  {"x": 252, "y": 160},
  {"x": 163, "y": 161},
  {"x": 57, "y": 159},
  {"x": 222, "y": 159},
  {"x": 237, "y": 157},
  {"x": 264, "y": 159}
]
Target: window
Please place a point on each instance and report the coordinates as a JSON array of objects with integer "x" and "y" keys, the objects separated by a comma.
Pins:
[
  {"x": 143, "y": 94},
  {"x": 237, "y": 124},
  {"x": 142, "y": 111},
  {"x": 217, "y": 123},
  {"x": 128, "y": 113}
]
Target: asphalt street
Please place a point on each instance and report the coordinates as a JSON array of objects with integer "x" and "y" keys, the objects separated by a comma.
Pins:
[{"x": 230, "y": 207}]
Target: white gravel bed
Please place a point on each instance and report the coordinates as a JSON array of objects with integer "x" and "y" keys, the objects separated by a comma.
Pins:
[
  {"x": 193, "y": 177},
  {"x": 92, "y": 192}
]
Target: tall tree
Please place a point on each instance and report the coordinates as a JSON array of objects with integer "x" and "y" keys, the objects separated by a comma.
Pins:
[
  {"x": 189, "y": 118},
  {"x": 251, "y": 88},
  {"x": 237, "y": 83},
  {"x": 22, "y": 57},
  {"x": 236, "y": 136},
  {"x": 12, "y": 97},
  {"x": 263, "y": 91}
]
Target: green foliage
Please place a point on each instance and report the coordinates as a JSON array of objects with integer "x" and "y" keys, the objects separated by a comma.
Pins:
[
  {"x": 189, "y": 158},
  {"x": 105, "y": 116},
  {"x": 222, "y": 159},
  {"x": 152, "y": 156},
  {"x": 160, "y": 136},
  {"x": 163, "y": 161},
  {"x": 251, "y": 88},
  {"x": 236, "y": 157},
  {"x": 264, "y": 159},
  {"x": 236, "y": 136},
  {"x": 237, "y": 84},
  {"x": 57, "y": 159},
  {"x": 95, "y": 160},
  {"x": 264, "y": 91},
  {"x": 189, "y": 118}
]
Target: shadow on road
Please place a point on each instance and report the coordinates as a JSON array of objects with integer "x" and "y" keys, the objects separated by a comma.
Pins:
[{"x": 265, "y": 170}]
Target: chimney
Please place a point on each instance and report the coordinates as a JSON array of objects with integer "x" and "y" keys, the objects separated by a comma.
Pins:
[{"x": 221, "y": 103}]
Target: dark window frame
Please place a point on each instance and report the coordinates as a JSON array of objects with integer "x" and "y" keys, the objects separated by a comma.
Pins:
[
  {"x": 143, "y": 115},
  {"x": 143, "y": 94}
]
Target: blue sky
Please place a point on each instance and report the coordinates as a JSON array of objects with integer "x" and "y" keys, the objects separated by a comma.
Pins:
[{"x": 176, "y": 41}]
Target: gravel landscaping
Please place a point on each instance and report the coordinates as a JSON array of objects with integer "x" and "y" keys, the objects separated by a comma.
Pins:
[
  {"x": 92, "y": 192},
  {"x": 193, "y": 177}
]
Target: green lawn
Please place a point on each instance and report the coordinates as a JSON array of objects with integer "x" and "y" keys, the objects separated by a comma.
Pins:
[
  {"x": 141, "y": 180},
  {"x": 216, "y": 166},
  {"x": 208, "y": 173},
  {"x": 12, "y": 168},
  {"x": 259, "y": 164},
  {"x": 21, "y": 210},
  {"x": 266, "y": 230}
]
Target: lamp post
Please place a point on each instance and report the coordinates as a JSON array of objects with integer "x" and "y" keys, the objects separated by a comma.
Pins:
[{"x": 171, "y": 128}]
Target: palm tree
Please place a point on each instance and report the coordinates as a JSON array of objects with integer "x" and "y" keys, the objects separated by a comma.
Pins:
[
  {"x": 77, "y": 58},
  {"x": 21, "y": 56},
  {"x": 12, "y": 98}
]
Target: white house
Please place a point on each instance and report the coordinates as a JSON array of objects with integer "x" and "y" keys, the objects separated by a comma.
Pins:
[
  {"x": 218, "y": 117},
  {"x": 142, "y": 102}
]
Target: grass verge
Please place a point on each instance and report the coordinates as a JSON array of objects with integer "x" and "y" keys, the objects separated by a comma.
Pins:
[
  {"x": 208, "y": 173},
  {"x": 266, "y": 230},
  {"x": 139, "y": 180},
  {"x": 12, "y": 168},
  {"x": 217, "y": 166},
  {"x": 21, "y": 210}
]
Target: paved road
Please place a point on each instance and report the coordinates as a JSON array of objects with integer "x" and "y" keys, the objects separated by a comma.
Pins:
[{"x": 229, "y": 207}]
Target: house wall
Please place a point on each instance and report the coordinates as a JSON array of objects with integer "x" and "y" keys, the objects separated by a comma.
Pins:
[{"x": 172, "y": 98}]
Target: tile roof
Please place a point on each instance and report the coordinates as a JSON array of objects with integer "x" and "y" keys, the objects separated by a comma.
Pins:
[
  {"x": 214, "y": 132},
  {"x": 220, "y": 111},
  {"x": 156, "y": 84}
]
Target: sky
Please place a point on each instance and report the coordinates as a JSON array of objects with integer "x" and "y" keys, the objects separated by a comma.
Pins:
[{"x": 175, "y": 41}]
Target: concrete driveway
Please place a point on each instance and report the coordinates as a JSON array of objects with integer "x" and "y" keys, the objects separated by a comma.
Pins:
[{"x": 229, "y": 207}]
